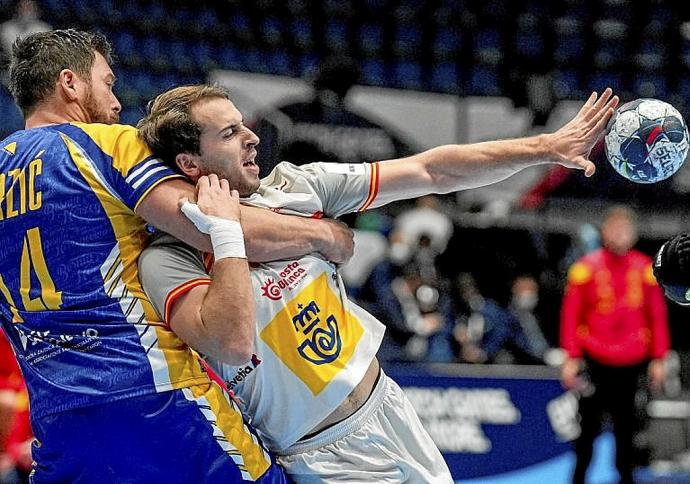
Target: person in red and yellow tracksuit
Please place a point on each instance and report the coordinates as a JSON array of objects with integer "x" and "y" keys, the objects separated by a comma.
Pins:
[
  {"x": 613, "y": 324},
  {"x": 15, "y": 430}
]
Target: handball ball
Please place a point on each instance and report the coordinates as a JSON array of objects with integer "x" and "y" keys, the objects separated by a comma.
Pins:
[{"x": 646, "y": 140}]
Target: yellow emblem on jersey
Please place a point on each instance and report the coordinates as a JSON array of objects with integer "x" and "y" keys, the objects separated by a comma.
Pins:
[
  {"x": 11, "y": 148},
  {"x": 579, "y": 273},
  {"x": 314, "y": 335}
]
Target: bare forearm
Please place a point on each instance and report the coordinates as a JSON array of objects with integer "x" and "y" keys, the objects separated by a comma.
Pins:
[
  {"x": 268, "y": 235},
  {"x": 271, "y": 236},
  {"x": 160, "y": 209},
  {"x": 227, "y": 313},
  {"x": 451, "y": 168},
  {"x": 458, "y": 167}
]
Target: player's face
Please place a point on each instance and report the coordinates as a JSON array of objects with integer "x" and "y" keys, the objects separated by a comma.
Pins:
[
  {"x": 618, "y": 235},
  {"x": 101, "y": 104},
  {"x": 228, "y": 148}
]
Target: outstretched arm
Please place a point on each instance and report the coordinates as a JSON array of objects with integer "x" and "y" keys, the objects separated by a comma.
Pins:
[
  {"x": 268, "y": 235},
  {"x": 455, "y": 167}
]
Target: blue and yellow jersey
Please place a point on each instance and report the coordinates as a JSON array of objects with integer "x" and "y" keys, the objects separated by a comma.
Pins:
[{"x": 70, "y": 300}]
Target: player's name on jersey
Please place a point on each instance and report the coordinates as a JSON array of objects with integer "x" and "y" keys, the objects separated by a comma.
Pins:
[{"x": 18, "y": 193}]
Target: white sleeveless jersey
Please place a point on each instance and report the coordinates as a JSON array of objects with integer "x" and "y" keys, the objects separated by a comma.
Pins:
[{"x": 312, "y": 345}]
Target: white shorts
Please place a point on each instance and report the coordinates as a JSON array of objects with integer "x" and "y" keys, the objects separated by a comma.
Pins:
[{"x": 383, "y": 441}]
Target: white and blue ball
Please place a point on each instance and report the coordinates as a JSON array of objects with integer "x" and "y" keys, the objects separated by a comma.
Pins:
[{"x": 646, "y": 140}]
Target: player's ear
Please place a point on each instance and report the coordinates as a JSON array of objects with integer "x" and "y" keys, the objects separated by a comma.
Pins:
[
  {"x": 67, "y": 84},
  {"x": 188, "y": 165}
]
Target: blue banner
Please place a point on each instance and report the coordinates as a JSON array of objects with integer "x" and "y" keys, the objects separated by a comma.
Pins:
[{"x": 492, "y": 422}]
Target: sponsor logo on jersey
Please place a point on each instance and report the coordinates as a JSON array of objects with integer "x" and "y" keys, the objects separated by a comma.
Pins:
[
  {"x": 271, "y": 290},
  {"x": 39, "y": 346},
  {"x": 243, "y": 372},
  {"x": 314, "y": 335},
  {"x": 291, "y": 274}
]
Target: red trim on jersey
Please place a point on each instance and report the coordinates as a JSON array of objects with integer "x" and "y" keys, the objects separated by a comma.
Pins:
[
  {"x": 215, "y": 377},
  {"x": 373, "y": 187},
  {"x": 179, "y": 291},
  {"x": 209, "y": 259}
]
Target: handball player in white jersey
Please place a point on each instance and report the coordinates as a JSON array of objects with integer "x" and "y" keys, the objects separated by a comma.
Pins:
[{"x": 311, "y": 384}]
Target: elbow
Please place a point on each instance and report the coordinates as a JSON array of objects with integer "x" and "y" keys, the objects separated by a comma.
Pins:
[
  {"x": 238, "y": 350},
  {"x": 227, "y": 339}
]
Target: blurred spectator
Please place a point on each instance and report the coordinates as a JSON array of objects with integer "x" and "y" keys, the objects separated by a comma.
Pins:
[
  {"x": 407, "y": 294},
  {"x": 371, "y": 248},
  {"x": 425, "y": 218},
  {"x": 479, "y": 319},
  {"x": 325, "y": 125},
  {"x": 427, "y": 313},
  {"x": 26, "y": 21},
  {"x": 524, "y": 300},
  {"x": 614, "y": 325},
  {"x": 489, "y": 333},
  {"x": 540, "y": 99},
  {"x": 15, "y": 430}
]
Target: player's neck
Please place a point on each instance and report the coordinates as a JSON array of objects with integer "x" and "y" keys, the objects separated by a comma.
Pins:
[{"x": 55, "y": 112}]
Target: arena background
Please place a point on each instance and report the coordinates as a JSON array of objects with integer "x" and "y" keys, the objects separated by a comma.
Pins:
[{"x": 453, "y": 71}]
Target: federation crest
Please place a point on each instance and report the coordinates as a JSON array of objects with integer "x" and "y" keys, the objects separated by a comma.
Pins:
[{"x": 314, "y": 335}]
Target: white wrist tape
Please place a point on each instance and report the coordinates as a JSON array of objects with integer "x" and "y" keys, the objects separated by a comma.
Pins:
[{"x": 227, "y": 237}]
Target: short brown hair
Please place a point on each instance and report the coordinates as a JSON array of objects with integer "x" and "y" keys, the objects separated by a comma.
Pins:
[
  {"x": 168, "y": 127},
  {"x": 38, "y": 59}
]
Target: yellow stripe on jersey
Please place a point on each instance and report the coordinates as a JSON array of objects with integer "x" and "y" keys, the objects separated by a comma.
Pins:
[
  {"x": 120, "y": 142},
  {"x": 182, "y": 366},
  {"x": 123, "y": 145},
  {"x": 235, "y": 438}
]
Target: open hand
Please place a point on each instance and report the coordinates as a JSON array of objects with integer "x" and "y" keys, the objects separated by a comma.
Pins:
[{"x": 570, "y": 145}]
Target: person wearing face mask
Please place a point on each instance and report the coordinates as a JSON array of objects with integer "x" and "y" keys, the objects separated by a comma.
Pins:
[
  {"x": 525, "y": 297},
  {"x": 614, "y": 324},
  {"x": 490, "y": 333}
]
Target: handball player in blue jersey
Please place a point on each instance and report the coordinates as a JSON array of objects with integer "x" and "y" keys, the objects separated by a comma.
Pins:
[{"x": 115, "y": 395}]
